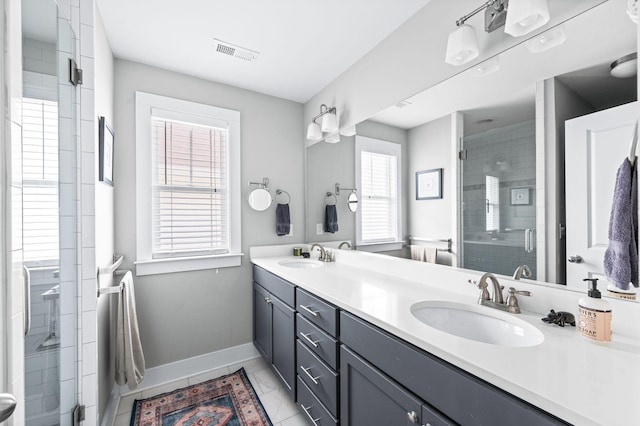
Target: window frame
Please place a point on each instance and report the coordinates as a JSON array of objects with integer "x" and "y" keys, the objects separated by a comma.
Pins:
[
  {"x": 146, "y": 106},
  {"x": 366, "y": 144}
]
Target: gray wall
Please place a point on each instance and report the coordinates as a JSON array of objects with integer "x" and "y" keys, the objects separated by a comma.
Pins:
[
  {"x": 104, "y": 219},
  {"x": 430, "y": 148},
  {"x": 183, "y": 315}
]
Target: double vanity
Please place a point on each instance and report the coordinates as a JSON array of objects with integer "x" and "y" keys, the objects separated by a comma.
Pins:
[{"x": 375, "y": 340}]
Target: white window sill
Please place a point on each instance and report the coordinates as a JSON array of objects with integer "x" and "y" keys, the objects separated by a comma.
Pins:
[
  {"x": 378, "y": 247},
  {"x": 184, "y": 264}
]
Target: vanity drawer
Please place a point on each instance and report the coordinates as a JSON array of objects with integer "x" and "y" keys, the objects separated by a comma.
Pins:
[
  {"x": 319, "y": 342},
  {"x": 275, "y": 285},
  {"x": 321, "y": 379},
  {"x": 319, "y": 312},
  {"x": 312, "y": 408}
]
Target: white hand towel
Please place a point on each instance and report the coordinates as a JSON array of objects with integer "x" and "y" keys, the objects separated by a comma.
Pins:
[
  {"x": 417, "y": 253},
  {"x": 129, "y": 355},
  {"x": 430, "y": 254}
]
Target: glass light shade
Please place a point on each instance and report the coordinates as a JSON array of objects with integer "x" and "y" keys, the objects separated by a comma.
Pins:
[
  {"x": 462, "y": 46},
  {"x": 329, "y": 123},
  {"x": 487, "y": 67},
  {"x": 524, "y": 16},
  {"x": 547, "y": 40},
  {"x": 625, "y": 67},
  {"x": 335, "y": 138},
  {"x": 313, "y": 132},
  {"x": 348, "y": 131}
]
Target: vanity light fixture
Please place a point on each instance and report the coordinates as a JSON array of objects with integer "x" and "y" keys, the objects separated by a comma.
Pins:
[
  {"x": 348, "y": 131},
  {"x": 334, "y": 138},
  {"x": 519, "y": 17},
  {"x": 487, "y": 67},
  {"x": 547, "y": 40},
  {"x": 328, "y": 123},
  {"x": 525, "y": 16},
  {"x": 625, "y": 67}
]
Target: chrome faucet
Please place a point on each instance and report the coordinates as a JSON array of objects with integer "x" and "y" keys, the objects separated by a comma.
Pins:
[
  {"x": 522, "y": 271},
  {"x": 345, "y": 243},
  {"x": 497, "y": 288},
  {"x": 497, "y": 301},
  {"x": 323, "y": 253}
]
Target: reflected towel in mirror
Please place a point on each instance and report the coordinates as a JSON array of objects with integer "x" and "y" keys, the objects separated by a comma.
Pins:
[
  {"x": 424, "y": 254},
  {"x": 330, "y": 218}
]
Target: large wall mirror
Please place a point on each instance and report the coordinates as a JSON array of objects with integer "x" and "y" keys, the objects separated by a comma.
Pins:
[{"x": 498, "y": 132}]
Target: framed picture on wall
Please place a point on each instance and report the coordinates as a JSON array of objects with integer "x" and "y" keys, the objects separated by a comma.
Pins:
[
  {"x": 520, "y": 197},
  {"x": 105, "y": 138},
  {"x": 429, "y": 184}
]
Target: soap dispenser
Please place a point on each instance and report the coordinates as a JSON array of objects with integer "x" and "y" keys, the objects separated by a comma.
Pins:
[{"x": 594, "y": 314}]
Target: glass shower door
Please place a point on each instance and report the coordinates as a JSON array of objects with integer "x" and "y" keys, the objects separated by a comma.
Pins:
[
  {"x": 49, "y": 140},
  {"x": 499, "y": 200}
]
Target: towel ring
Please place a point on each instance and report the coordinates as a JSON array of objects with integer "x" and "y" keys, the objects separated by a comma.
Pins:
[
  {"x": 279, "y": 192},
  {"x": 335, "y": 199}
]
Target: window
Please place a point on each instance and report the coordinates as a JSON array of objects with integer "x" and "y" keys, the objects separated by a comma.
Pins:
[
  {"x": 40, "y": 182},
  {"x": 378, "y": 220},
  {"x": 492, "y": 200},
  {"x": 187, "y": 176}
]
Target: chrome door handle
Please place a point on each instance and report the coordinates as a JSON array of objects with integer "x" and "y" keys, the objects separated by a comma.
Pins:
[
  {"x": 7, "y": 405},
  {"x": 575, "y": 259},
  {"x": 308, "y": 339},
  {"x": 306, "y": 308},
  {"x": 412, "y": 417},
  {"x": 313, "y": 379},
  {"x": 528, "y": 240},
  {"x": 27, "y": 299},
  {"x": 306, "y": 411}
]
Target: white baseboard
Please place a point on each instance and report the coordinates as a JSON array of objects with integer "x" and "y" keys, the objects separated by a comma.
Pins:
[{"x": 179, "y": 370}]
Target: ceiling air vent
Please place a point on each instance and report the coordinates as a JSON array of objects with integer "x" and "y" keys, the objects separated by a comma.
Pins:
[{"x": 234, "y": 50}]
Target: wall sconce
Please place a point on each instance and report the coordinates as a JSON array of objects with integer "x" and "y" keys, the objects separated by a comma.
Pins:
[
  {"x": 519, "y": 17},
  {"x": 328, "y": 124}
]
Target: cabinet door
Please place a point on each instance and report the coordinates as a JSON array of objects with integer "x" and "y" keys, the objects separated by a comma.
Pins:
[
  {"x": 262, "y": 321},
  {"x": 368, "y": 397},
  {"x": 283, "y": 344}
]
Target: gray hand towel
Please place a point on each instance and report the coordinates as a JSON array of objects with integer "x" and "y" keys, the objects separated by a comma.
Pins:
[
  {"x": 283, "y": 220},
  {"x": 330, "y": 218},
  {"x": 621, "y": 257}
]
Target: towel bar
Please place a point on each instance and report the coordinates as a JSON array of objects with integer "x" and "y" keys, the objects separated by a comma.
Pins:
[
  {"x": 433, "y": 240},
  {"x": 110, "y": 290}
]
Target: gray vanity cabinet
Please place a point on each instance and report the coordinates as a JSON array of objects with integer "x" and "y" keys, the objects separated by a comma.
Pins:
[
  {"x": 369, "y": 397},
  {"x": 447, "y": 391},
  {"x": 274, "y": 325}
]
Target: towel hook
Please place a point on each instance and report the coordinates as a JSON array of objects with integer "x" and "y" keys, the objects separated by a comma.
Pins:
[
  {"x": 634, "y": 143},
  {"x": 335, "y": 199},
  {"x": 281, "y": 192},
  {"x": 264, "y": 184}
]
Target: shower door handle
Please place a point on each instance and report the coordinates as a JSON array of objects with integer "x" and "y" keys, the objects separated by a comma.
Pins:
[
  {"x": 27, "y": 300},
  {"x": 528, "y": 240}
]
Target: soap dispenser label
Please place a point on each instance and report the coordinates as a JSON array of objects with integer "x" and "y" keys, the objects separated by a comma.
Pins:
[{"x": 594, "y": 324}]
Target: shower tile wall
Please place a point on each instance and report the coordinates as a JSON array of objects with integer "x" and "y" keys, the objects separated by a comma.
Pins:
[{"x": 509, "y": 154}]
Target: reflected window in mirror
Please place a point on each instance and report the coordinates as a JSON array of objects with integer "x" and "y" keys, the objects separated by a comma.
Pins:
[
  {"x": 493, "y": 204},
  {"x": 378, "y": 220}
]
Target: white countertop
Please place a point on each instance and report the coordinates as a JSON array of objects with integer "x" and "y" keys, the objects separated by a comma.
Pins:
[{"x": 567, "y": 375}]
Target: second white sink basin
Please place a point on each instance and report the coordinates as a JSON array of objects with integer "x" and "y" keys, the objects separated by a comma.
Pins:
[
  {"x": 478, "y": 323},
  {"x": 301, "y": 263}
]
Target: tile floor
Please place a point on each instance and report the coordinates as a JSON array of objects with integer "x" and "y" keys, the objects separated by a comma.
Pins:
[{"x": 280, "y": 409}]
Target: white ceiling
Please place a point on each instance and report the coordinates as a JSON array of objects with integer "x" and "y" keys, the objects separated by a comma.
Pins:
[{"x": 303, "y": 44}]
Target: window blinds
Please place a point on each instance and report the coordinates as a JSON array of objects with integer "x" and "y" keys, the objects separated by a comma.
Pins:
[
  {"x": 190, "y": 200},
  {"x": 379, "y": 196},
  {"x": 40, "y": 181}
]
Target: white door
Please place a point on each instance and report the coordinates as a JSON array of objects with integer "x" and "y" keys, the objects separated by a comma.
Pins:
[{"x": 596, "y": 145}]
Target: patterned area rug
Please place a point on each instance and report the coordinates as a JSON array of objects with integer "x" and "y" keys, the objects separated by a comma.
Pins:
[{"x": 226, "y": 401}]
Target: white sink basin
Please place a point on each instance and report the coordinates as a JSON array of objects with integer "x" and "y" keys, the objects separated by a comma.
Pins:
[
  {"x": 301, "y": 263},
  {"x": 479, "y": 323}
]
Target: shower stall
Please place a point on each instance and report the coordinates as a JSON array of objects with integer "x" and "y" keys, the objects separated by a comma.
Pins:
[{"x": 499, "y": 199}]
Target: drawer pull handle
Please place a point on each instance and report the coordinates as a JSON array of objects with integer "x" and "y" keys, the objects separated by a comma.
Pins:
[
  {"x": 313, "y": 379},
  {"x": 306, "y": 308},
  {"x": 412, "y": 417},
  {"x": 306, "y": 411},
  {"x": 308, "y": 339},
  {"x": 267, "y": 300}
]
